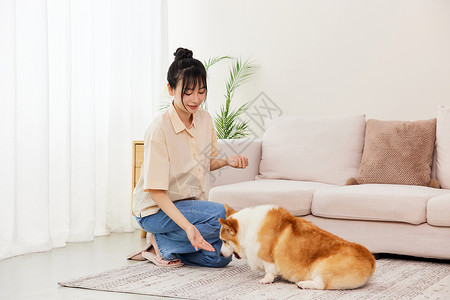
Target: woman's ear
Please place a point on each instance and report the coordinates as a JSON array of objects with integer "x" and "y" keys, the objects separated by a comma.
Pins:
[{"x": 170, "y": 89}]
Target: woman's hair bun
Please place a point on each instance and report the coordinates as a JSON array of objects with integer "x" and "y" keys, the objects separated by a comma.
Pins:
[{"x": 182, "y": 53}]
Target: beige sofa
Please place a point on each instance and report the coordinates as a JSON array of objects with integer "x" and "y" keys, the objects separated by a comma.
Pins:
[{"x": 305, "y": 170}]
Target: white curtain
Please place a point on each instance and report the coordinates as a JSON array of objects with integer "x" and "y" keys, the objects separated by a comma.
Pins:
[{"x": 78, "y": 83}]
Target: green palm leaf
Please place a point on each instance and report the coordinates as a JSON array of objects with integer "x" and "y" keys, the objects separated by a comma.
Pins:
[
  {"x": 240, "y": 73},
  {"x": 228, "y": 125},
  {"x": 227, "y": 121},
  {"x": 212, "y": 61}
]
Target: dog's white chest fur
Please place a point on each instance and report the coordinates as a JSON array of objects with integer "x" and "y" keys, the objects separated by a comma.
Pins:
[{"x": 250, "y": 222}]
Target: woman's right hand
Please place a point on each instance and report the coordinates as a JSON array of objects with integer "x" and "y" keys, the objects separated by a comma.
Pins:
[{"x": 197, "y": 240}]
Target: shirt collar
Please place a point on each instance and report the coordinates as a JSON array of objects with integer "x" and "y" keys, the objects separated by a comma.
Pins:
[{"x": 177, "y": 124}]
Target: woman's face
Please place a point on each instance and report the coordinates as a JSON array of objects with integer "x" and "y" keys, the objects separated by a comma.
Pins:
[{"x": 192, "y": 98}]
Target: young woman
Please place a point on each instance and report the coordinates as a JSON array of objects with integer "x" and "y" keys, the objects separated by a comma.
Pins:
[{"x": 180, "y": 148}]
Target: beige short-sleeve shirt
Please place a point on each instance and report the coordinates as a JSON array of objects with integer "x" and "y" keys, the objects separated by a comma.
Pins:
[{"x": 176, "y": 159}]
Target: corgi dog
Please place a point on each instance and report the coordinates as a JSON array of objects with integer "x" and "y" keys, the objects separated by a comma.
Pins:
[{"x": 273, "y": 240}]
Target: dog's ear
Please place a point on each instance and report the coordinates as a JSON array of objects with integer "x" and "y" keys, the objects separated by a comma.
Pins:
[
  {"x": 229, "y": 210},
  {"x": 230, "y": 224}
]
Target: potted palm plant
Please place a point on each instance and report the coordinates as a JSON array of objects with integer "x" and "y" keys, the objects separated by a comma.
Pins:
[{"x": 227, "y": 122}]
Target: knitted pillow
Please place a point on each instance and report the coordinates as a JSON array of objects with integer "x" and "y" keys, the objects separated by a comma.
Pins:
[{"x": 398, "y": 152}]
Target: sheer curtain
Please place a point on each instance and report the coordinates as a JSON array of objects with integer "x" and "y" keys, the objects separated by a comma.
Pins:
[{"x": 78, "y": 83}]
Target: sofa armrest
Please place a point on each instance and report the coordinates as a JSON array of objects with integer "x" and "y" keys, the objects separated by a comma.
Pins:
[{"x": 251, "y": 148}]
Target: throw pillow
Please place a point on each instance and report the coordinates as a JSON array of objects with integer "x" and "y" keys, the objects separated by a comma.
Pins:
[
  {"x": 398, "y": 152},
  {"x": 443, "y": 146},
  {"x": 322, "y": 149}
]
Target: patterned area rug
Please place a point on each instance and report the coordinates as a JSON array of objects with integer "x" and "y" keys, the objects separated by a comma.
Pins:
[{"x": 393, "y": 279}]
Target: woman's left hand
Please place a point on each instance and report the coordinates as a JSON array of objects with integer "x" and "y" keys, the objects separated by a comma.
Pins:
[
  {"x": 197, "y": 240},
  {"x": 235, "y": 161}
]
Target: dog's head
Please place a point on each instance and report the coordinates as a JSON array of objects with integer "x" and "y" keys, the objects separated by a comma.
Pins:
[{"x": 229, "y": 234}]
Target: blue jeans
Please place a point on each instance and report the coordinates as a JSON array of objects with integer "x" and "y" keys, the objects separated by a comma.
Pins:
[{"x": 173, "y": 242}]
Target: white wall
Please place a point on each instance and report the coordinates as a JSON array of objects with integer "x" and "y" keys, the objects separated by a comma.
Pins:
[{"x": 389, "y": 59}]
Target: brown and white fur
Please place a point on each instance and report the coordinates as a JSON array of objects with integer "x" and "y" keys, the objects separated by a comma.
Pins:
[{"x": 273, "y": 240}]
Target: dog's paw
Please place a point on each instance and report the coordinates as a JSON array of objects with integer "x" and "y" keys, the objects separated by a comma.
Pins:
[
  {"x": 309, "y": 284},
  {"x": 267, "y": 279}
]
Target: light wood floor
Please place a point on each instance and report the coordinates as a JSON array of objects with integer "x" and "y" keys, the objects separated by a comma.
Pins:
[{"x": 35, "y": 276}]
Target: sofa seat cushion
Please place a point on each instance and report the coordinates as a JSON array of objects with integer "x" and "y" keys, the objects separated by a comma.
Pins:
[
  {"x": 295, "y": 196},
  {"x": 438, "y": 210},
  {"x": 375, "y": 202}
]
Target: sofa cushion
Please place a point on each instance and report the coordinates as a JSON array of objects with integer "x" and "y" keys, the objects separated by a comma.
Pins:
[
  {"x": 375, "y": 202},
  {"x": 398, "y": 152},
  {"x": 438, "y": 210},
  {"x": 326, "y": 149},
  {"x": 295, "y": 196},
  {"x": 443, "y": 146}
]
